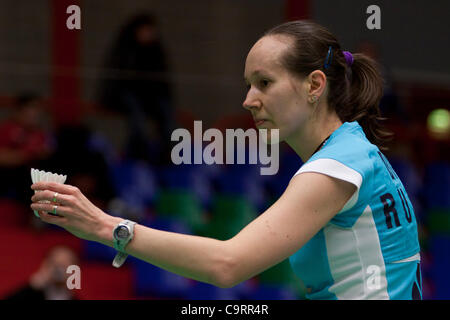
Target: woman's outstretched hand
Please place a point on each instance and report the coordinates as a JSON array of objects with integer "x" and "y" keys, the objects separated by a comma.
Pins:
[{"x": 75, "y": 212}]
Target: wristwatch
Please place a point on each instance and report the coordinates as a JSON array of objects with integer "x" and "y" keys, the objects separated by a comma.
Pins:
[{"x": 122, "y": 235}]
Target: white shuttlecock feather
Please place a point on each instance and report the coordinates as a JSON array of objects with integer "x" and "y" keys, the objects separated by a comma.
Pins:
[{"x": 43, "y": 176}]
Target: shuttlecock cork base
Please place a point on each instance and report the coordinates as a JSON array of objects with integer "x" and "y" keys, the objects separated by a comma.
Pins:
[{"x": 43, "y": 176}]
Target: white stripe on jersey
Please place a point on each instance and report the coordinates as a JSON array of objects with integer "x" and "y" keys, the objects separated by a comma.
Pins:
[
  {"x": 415, "y": 257},
  {"x": 354, "y": 254}
]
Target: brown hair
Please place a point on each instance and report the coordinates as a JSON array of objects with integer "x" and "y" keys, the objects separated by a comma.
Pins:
[{"x": 354, "y": 92}]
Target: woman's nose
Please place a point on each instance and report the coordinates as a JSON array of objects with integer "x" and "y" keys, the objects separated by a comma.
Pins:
[{"x": 251, "y": 101}]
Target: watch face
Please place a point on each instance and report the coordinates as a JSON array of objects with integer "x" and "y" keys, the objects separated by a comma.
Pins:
[{"x": 122, "y": 232}]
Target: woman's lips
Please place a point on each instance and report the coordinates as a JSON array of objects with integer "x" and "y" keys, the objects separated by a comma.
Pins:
[{"x": 259, "y": 122}]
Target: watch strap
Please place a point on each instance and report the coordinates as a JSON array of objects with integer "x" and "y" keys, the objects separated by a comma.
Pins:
[{"x": 119, "y": 259}]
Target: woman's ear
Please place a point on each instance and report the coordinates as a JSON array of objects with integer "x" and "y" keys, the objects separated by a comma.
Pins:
[{"x": 317, "y": 83}]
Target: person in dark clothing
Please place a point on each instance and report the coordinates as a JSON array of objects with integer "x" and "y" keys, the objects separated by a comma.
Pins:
[
  {"x": 137, "y": 86},
  {"x": 83, "y": 165}
]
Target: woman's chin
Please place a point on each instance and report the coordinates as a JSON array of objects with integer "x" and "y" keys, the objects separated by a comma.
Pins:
[{"x": 270, "y": 135}]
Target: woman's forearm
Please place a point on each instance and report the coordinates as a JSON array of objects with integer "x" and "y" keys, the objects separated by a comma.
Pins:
[{"x": 199, "y": 258}]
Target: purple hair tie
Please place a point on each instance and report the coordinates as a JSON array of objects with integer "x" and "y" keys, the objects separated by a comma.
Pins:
[{"x": 348, "y": 58}]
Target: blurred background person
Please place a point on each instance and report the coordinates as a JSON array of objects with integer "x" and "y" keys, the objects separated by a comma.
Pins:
[
  {"x": 50, "y": 281},
  {"x": 82, "y": 163},
  {"x": 25, "y": 142},
  {"x": 138, "y": 88}
]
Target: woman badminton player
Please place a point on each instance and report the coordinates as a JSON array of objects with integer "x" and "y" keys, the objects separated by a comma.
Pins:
[{"x": 345, "y": 220}]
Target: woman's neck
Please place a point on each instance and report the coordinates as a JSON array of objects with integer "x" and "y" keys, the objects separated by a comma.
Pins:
[{"x": 309, "y": 138}]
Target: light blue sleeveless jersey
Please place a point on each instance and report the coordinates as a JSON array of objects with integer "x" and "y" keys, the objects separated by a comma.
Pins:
[{"x": 370, "y": 249}]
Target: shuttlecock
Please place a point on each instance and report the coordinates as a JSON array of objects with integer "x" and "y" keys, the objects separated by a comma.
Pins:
[{"x": 43, "y": 176}]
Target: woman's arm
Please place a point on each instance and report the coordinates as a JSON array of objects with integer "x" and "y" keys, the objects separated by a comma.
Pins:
[
  {"x": 308, "y": 203},
  {"x": 200, "y": 258}
]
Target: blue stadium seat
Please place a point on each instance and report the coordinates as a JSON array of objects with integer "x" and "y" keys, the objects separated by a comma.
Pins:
[
  {"x": 94, "y": 251},
  {"x": 190, "y": 178},
  {"x": 243, "y": 181},
  {"x": 437, "y": 185},
  {"x": 273, "y": 292},
  {"x": 440, "y": 249},
  {"x": 150, "y": 280},
  {"x": 135, "y": 182},
  {"x": 99, "y": 143},
  {"x": 290, "y": 163},
  {"x": 166, "y": 223},
  {"x": 204, "y": 291}
]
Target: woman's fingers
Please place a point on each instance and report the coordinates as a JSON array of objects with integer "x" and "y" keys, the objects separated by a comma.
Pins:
[
  {"x": 74, "y": 212},
  {"x": 50, "y": 207},
  {"x": 55, "y": 187},
  {"x": 53, "y": 197},
  {"x": 57, "y": 220}
]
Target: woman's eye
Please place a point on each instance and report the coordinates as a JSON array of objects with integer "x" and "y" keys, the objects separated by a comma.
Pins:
[{"x": 264, "y": 83}]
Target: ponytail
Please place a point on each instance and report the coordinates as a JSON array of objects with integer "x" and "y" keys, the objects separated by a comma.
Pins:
[{"x": 366, "y": 91}]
